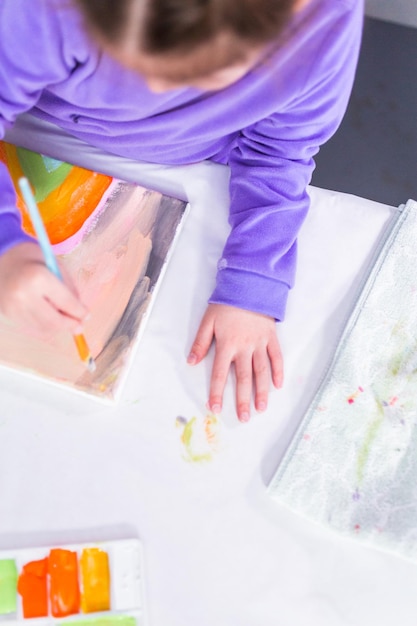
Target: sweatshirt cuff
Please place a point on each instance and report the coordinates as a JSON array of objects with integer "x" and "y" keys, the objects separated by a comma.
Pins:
[
  {"x": 252, "y": 292},
  {"x": 11, "y": 232}
]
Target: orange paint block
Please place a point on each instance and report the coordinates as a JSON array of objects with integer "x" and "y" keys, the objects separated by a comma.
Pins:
[
  {"x": 32, "y": 587},
  {"x": 64, "y": 590},
  {"x": 95, "y": 575}
]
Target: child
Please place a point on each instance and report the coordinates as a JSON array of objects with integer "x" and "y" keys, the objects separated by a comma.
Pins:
[{"x": 256, "y": 84}]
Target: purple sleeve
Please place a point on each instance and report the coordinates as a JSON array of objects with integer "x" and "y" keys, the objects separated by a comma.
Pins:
[
  {"x": 11, "y": 232},
  {"x": 271, "y": 167},
  {"x": 31, "y": 57}
]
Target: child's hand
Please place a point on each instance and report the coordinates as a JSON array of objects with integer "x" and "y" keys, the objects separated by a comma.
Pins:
[
  {"x": 33, "y": 298},
  {"x": 249, "y": 341}
]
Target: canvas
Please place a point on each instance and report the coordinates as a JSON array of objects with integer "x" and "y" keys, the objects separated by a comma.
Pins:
[{"x": 114, "y": 239}]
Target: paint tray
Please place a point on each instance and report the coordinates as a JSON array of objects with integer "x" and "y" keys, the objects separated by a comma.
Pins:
[
  {"x": 123, "y": 589},
  {"x": 352, "y": 465},
  {"x": 114, "y": 239}
]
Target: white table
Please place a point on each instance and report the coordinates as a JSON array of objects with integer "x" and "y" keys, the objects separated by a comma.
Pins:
[{"x": 218, "y": 550}]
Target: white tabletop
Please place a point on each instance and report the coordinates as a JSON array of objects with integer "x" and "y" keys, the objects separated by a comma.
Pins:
[{"x": 218, "y": 551}]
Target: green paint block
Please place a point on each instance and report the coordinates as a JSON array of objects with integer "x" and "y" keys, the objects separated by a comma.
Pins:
[
  {"x": 8, "y": 586},
  {"x": 108, "y": 620}
]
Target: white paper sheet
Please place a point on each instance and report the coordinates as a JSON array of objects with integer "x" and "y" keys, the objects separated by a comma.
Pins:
[{"x": 218, "y": 552}]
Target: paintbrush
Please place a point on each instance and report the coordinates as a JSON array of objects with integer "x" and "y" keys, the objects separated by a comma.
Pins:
[{"x": 51, "y": 262}]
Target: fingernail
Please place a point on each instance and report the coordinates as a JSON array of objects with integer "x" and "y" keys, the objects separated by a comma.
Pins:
[
  {"x": 192, "y": 359},
  {"x": 244, "y": 417},
  {"x": 261, "y": 406},
  {"x": 216, "y": 408},
  {"x": 78, "y": 330}
]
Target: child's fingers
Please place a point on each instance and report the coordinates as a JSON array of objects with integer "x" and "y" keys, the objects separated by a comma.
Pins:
[
  {"x": 44, "y": 305},
  {"x": 66, "y": 302},
  {"x": 219, "y": 374},
  {"x": 45, "y": 320},
  {"x": 276, "y": 361},
  {"x": 248, "y": 341},
  {"x": 33, "y": 297},
  {"x": 244, "y": 382},
  {"x": 202, "y": 341},
  {"x": 262, "y": 376}
]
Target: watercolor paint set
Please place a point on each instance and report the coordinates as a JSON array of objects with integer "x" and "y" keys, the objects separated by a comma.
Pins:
[{"x": 94, "y": 584}]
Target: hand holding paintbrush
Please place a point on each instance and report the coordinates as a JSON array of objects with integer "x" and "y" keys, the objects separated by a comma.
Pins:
[
  {"x": 35, "y": 297},
  {"x": 51, "y": 263}
]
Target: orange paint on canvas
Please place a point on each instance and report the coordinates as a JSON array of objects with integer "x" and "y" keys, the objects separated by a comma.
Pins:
[
  {"x": 95, "y": 576},
  {"x": 64, "y": 590},
  {"x": 67, "y": 207},
  {"x": 32, "y": 587}
]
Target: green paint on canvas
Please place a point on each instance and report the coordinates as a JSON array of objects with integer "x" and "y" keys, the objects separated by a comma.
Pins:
[{"x": 44, "y": 179}]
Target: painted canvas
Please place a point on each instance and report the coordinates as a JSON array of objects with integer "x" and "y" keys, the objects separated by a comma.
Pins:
[{"x": 114, "y": 238}]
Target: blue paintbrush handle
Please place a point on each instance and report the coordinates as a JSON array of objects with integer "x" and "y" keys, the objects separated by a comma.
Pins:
[{"x": 45, "y": 244}]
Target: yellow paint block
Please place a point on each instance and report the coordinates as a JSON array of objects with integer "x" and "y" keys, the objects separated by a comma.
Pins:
[{"x": 95, "y": 576}]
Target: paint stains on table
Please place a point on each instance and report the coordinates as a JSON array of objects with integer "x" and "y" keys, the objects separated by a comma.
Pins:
[{"x": 200, "y": 438}]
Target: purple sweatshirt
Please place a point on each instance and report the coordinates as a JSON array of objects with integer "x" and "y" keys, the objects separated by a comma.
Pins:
[{"x": 267, "y": 126}]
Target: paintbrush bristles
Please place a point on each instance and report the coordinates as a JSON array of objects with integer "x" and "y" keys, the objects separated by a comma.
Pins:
[{"x": 84, "y": 352}]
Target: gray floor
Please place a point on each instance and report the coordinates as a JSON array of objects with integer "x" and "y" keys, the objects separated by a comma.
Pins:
[{"x": 374, "y": 152}]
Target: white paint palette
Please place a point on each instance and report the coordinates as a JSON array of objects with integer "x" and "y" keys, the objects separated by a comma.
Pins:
[{"x": 91, "y": 584}]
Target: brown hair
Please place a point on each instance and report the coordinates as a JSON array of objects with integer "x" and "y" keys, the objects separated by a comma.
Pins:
[{"x": 178, "y": 26}]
